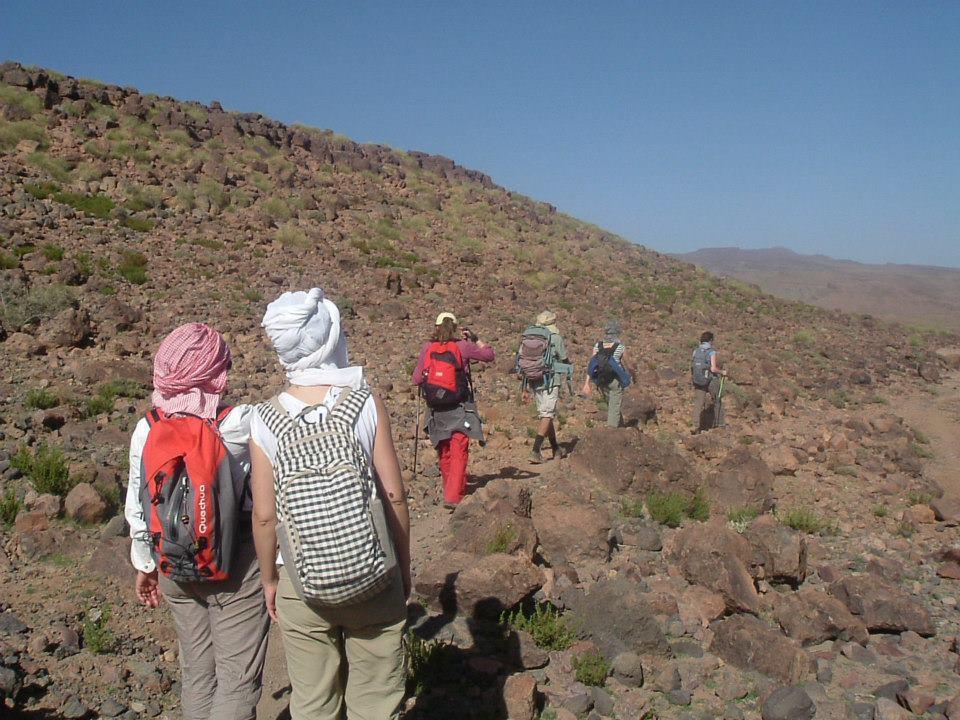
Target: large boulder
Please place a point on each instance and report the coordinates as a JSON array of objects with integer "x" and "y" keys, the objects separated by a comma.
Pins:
[
  {"x": 711, "y": 555},
  {"x": 461, "y": 583},
  {"x": 616, "y": 616},
  {"x": 741, "y": 481},
  {"x": 571, "y": 530},
  {"x": 70, "y": 328},
  {"x": 85, "y": 505},
  {"x": 881, "y": 606},
  {"x": 496, "y": 518},
  {"x": 780, "y": 553},
  {"x": 811, "y": 617},
  {"x": 751, "y": 644}
]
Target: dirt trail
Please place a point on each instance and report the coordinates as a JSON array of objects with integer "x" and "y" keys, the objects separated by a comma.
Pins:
[{"x": 936, "y": 413}]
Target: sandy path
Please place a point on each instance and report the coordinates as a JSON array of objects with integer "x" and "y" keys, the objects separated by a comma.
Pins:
[{"x": 937, "y": 415}]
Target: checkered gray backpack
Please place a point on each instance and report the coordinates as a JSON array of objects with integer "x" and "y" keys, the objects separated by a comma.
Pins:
[{"x": 332, "y": 529}]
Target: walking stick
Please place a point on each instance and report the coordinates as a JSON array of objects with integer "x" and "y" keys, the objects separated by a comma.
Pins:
[
  {"x": 718, "y": 405},
  {"x": 416, "y": 434}
]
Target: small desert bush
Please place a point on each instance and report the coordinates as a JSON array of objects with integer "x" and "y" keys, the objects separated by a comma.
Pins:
[
  {"x": 669, "y": 508},
  {"x": 8, "y": 261},
  {"x": 425, "y": 661},
  {"x": 277, "y": 209},
  {"x": 922, "y": 451},
  {"x": 214, "y": 192},
  {"x": 545, "y": 624},
  {"x": 917, "y": 497},
  {"x": 742, "y": 516},
  {"x": 138, "y": 224},
  {"x": 51, "y": 252},
  {"x": 502, "y": 540},
  {"x": 880, "y": 511},
  {"x": 98, "y": 206},
  {"x": 803, "y": 520},
  {"x": 46, "y": 468},
  {"x": 803, "y": 338},
  {"x": 10, "y": 507},
  {"x": 108, "y": 393},
  {"x": 133, "y": 268},
  {"x": 18, "y": 97},
  {"x": 631, "y": 508},
  {"x": 591, "y": 668},
  {"x": 41, "y": 399},
  {"x": 13, "y": 132},
  {"x": 143, "y": 198},
  {"x": 57, "y": 168},
  {"x": 292, "y": 236},
  {"x": 97, "y": 637},
  {"x": 40, "y": 302}
]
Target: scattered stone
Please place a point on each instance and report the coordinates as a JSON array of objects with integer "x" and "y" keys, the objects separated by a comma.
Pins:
[
  {"x": 627, "y": 667},
  {"x": 788, "y": 703},
  {"x": 520, "y": 697},
  {"x": 883, "y": 607},
  {"x": 811, "y": 617},
  {"x": 85, "y": 505},
  {"x": 889, "y": 710},
  {"x": 617, "y": 617},
  {"x": 751, "y": 644}
]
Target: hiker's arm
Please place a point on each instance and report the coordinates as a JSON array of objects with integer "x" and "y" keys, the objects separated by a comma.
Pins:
[
  {"x": 479, "y": 351},
  {"x": 146, "y": 586},
  {"x": 264, "y": 524},
  {"x": 714, "y": 368},
  {"x": 417, "y": 377},
  {"x": 391, "y": 485}
]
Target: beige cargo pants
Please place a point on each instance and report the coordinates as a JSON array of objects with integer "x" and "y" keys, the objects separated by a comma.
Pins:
[
  {"x": 222, "y": 629},
  {"x": 351, "y": 655}
]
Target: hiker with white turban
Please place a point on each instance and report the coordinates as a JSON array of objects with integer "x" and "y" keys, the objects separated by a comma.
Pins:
[
  {"x": 606, "y": 371},
  {"x": 324, "y": 391}
]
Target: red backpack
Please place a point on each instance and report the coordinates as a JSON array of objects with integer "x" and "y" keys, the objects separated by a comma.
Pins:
[
  {"x": 444, "y": 376},
  {"x": 190, "y": 503}
]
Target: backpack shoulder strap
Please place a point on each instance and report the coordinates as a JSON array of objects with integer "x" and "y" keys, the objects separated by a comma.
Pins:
[
  {"x": 276, "y": 417},
  {"x": 350, "y": 404},
  {"x": 222, "y": 415},
  {"x": 153, "y": 417}
]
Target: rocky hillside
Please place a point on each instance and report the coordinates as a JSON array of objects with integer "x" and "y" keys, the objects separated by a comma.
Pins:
[{"x": 788, "y": 560}]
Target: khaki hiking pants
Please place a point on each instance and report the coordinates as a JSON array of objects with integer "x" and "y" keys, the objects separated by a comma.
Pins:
[
  {"x": 222, "y": 629},
  {"x": 705, "y": 406},
  {"x": 368, "y": 636},
  {"x": 613, "y": 394}
]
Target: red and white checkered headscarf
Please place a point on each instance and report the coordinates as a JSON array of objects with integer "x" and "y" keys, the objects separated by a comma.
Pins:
[{"x": 190, "y": 371}]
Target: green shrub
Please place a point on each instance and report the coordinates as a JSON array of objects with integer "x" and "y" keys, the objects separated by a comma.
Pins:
[
  {"x": 631, "y": 508},
  {"x": 208, "y": 243},
  {"x": 278, "y": 209},
  {"x": 46, "y": 468},
  {"x": 425, "y": 660},
  {"x": 10, "y": 507},
  {"x": 699, "y": 506},
  {"x": 108, "y": 393},
  {"x": 8, "y": 261},
  {"x": 743, "y": 515},
  {"x": 18, "y": 97},
  {"x": 253, "y": 295},
  {"x": 669, "y": 508},
  {"x": 143, "y": 198},
  {"x": 292, "y": 236},
  {"x": 12, "y": 132},
  {"x": 41, "y": 399},
  {"x": 51, "y": 252},
  {"x": 214, "y": 192},
  {"x": 57, "y": 168},
  {"x": 502, "y": 539},
  {"x": 803, "y": 520},
  {"x": 97, "y": 637},
  {"x": 39, "y": 303},
  {"x": 915, "y": 497},
  {"x": 138, "y": 224},
  {"x": 922, "y": 451},
  {"x": 545, "y": 624},
  {"x": 880, "y": 511},
  {"x": 41, "y": 191},
  {"x": 98, "y": 206},
  {"x": 803, "y": 338},
  {"x": 133, "y": 267},
  {"x": 591, "y": 668},
  {"x": 920, "y": 436}
]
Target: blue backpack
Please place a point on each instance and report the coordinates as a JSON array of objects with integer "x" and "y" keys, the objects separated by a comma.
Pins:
[{"x": 700, "y": 369}]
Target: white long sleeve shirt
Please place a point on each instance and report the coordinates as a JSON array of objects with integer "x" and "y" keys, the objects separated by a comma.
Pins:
[{"x": 235, "y": 431}]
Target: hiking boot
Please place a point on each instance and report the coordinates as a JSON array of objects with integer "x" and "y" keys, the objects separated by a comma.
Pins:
[
  {"x": 559, "y": 453},
  {"x": 535, "y": 457}
]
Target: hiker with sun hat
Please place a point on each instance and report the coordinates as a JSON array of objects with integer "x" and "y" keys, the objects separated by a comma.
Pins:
[{"x": 443, "y": 376}]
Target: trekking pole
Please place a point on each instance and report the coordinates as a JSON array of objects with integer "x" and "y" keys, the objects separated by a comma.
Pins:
[
  {"x": 718, "y": 406},
  {"x": 416, "y": 434}
]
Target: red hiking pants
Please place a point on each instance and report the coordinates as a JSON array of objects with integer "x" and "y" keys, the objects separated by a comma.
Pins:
[{"x": 454, "y": 454}]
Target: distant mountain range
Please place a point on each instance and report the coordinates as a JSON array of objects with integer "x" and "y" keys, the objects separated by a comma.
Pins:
[{"x": 914, "y": 294}]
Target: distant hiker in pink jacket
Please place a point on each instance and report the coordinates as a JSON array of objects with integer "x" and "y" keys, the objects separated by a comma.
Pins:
[{"x": 443, "y": 375}]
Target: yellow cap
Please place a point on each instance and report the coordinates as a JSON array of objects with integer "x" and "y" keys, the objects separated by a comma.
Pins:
[{"x": 446, "y": 316}]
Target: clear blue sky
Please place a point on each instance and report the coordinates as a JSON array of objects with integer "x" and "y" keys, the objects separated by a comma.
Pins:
[{"x": 825, "y": 127}]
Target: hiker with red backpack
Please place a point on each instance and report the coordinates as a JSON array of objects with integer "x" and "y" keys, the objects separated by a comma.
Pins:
[
  {"x": 327, "y": 494},
  {"x": 542, "y": 365},
  {"x": 443, "y": 376},
  {"x": 189, "y": 510}
]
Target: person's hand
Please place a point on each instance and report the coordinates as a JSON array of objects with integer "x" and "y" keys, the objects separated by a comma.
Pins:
[
  {"x": 147, "y": 589},
  {"x": 270, "y": 598},
  {"x": 526, "y": 396},
  {"x": 585, "y": 390}
]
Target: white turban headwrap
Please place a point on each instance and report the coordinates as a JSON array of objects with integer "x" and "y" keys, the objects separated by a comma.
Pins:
[{"x": 304, "y": 328}]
